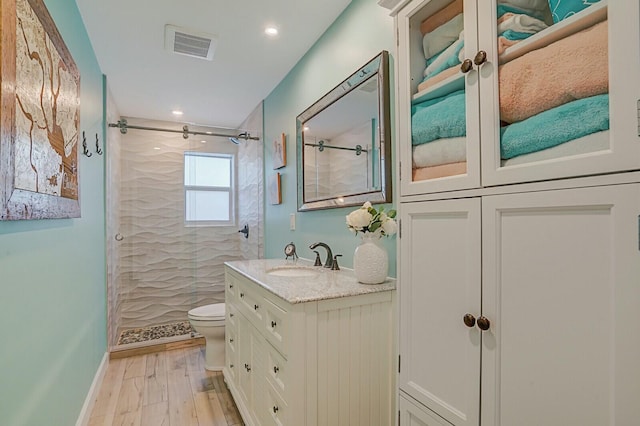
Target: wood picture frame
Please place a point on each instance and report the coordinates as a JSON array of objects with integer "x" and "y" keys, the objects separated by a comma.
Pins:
[
  {"x": 280, "y": 152},
  {"x": 40, "y": 116},
  {"x": 274, "y": 189}
]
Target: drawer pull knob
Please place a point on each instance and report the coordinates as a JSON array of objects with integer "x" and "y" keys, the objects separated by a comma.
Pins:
[
  {"x": 273, "y": 324},
  {"x": 231, "y": 315},
  {"x": 247, "y": 367},
  {"x": 275, "y": 409},
  {"x": 255, "y": 307},
  {"x": 241, "y": 294},
  {"x": 483, "y": 324},
  {"x": 275, "y": 369},
  {"x": 230, "y": 340},
  {"x": 230, "y": 285},
  {"x": 480, "y": 58},
  {"x": 466, "y": 66},
  {"x": 230, "y": 365},
  {"x": 469, "y": 320}
]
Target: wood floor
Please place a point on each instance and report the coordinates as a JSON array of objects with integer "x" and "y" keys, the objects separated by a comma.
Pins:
[{"x": 169, "y": 388}]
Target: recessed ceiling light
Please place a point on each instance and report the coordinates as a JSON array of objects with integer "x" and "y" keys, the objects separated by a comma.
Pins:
[
  {"x": 203, "y": 141},
  {"x": 176, "y": 112},
  {"x": 271, "y": 31},
  {"x": 155, "y": 147}
]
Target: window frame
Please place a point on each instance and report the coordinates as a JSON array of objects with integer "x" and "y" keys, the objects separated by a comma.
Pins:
[{"x": 231, "y": 189}]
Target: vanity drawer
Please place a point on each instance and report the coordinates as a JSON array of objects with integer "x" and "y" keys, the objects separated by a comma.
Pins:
[
  {"x": 231, "y": 287},
  {"x": 232, "y": 315},
  {"x": 275, "y": 409},
  {"x": 277, "y": 371},
  {"x": 251, "y": 304},
  {"x": 277, "y": 325},
  {"x": 231, "y": 345}
]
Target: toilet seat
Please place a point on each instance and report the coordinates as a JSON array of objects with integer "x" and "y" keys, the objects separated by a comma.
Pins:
[{"x": 215, "y": 311}]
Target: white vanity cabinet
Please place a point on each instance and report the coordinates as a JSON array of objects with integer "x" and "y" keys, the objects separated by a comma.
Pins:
[
  {"x": 318, "y": 359},
  {"x": 521, "y": 308},
  {"x": 523, "y": 110}
]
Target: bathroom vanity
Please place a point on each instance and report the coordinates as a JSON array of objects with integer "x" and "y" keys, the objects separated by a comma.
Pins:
[{"x": 308, "y": 346}]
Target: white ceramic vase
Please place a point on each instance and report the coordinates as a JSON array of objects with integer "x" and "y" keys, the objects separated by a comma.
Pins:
[{"x": 370, "y": 260}]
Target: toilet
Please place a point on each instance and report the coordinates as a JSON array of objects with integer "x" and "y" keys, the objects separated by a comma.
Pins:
[{"x": 208, "y": 320}]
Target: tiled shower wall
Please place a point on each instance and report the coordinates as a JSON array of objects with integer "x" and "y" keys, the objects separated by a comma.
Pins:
[{"x": 165, "y": 268}]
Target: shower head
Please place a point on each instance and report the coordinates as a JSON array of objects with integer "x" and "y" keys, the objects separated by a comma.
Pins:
[{"x": 243, "y": 135}]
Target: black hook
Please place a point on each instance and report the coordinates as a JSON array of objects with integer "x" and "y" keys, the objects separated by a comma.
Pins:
[
  {"x": 245, "y": 230},
  {"x": 84, "y": 145},
  {"x": 98, "y": 150}
]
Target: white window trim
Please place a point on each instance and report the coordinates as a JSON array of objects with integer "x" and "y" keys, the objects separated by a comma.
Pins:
[{"x": 231, "y": 191}]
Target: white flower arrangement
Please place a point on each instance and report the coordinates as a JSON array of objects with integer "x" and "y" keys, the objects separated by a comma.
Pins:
[{"x": 367, "y": 219}]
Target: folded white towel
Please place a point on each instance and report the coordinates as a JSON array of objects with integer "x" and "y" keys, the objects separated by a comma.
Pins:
[
  {"x": 445, "y": 55},
  {"x": 440, "y": 151},
  {"x": 443, "y": 36},
  {"x": 521, "y": 24}
]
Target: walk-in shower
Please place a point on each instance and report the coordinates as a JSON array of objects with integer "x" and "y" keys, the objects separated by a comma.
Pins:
[{"x": 161, "y": 265}]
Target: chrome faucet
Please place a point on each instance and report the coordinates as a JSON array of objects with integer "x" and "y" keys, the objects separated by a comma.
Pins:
[{"x": 329, "y": 262}]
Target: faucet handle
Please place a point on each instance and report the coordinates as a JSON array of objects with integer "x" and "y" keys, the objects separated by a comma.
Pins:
[
  {"x": 334, "y": 266},
  {"x": 318, "y": 262}
]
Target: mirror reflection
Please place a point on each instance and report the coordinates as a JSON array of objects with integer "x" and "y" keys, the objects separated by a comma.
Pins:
[{"x": 343, "y": 142}]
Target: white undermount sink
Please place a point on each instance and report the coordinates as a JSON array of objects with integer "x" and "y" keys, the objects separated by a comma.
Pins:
[{"x": 293, "y": 271}]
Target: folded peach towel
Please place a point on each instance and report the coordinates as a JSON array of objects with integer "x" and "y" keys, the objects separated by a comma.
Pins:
[
  {"x": 441, "y": 16},
  {"x": 575, "y": 67},
  {"x": 443, "y": 170},
  {"x": 438, "y": 78}
]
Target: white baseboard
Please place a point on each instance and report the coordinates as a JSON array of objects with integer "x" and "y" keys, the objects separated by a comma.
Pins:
[{"x": 85, "y": 413}]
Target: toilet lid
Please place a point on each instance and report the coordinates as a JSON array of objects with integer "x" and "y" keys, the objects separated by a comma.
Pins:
[{"x": 214, "y": 311}]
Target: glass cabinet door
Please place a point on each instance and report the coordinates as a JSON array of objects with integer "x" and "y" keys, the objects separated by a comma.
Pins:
[
  {"x": 438, "y": 96},
  {"x": 559, "y": 89}
]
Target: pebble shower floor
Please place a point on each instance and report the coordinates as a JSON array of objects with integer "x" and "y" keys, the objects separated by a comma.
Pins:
[{"x": 136, "y": 335}]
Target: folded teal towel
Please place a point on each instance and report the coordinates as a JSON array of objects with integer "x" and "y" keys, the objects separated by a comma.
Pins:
[
  {"x": 515, "y": 35},
  {"x": 555, "y": 126},
  {"x": 439, "y": 118}
]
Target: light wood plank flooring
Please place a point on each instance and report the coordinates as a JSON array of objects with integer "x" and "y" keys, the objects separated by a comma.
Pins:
[{"x": 169, "y": 388}]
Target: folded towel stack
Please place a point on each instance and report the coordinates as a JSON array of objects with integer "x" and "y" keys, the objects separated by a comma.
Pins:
[{"x": 439, "y": 118}]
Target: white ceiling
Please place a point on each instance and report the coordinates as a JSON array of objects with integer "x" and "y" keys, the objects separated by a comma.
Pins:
[{"x": 148, "y": 81}]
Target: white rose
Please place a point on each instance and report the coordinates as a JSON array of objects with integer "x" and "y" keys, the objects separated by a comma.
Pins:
[
  {"x": 389, "y": 227},
  {"x": 358, "y": 219},
  {"x": 366, "y": 205}
]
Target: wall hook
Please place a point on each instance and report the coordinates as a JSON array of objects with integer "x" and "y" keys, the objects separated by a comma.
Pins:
[
  {"x": 84, "y": 145},
  {"x": 98, "y": 150}
]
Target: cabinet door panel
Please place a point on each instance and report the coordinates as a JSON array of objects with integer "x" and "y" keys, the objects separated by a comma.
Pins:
[
  {"x": 562, "y": 101},
  {"x": 438, "y": 123},
  {"x": 560, "y": 282},
  {"x": 412, "y": 414},
  {"x": 440, "y": 276}
]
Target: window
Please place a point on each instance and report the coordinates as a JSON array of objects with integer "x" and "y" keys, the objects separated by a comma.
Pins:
[{"x": 208, "y": 189}]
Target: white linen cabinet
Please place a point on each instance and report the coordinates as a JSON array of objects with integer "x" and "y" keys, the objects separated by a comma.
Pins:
[
  {"x": 521, "y": 309},
  {"x": 488, "y": 110}
]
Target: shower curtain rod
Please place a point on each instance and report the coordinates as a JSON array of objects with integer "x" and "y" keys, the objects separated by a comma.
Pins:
[
  {"x": 321, "y": 146},
  {"x": 124, "y": 126}
]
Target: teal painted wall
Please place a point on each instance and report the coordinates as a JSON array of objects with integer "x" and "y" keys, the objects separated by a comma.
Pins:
[
  {"x": 360, "y": 33},
  {"x": 52, "y": 277}
]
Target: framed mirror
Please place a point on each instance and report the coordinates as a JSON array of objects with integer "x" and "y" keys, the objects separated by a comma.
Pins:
[{"x": 344, "y": 142}]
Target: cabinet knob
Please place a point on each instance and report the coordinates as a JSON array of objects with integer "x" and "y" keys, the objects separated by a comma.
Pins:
[
  {"x": 230, "y": 340},
  {"x": 230, "y": 365},
  {"x": 241, "y": 294},
  {"x": 255, "y": 307},
  {"x": 231, "y": 315},
  {"x": 230, "y": 285},
  {"x": 469, "y": 320},
  {"x": 273, "y": 324},
  {"x": 466, "y": 66},
  {"x": 247, "y": 367},
  {"x": 483, "y": 323},
  {"x": 275, "y": 369},
  {"x": 480, "y": 58},
  {"x": 275, "y": 409}
]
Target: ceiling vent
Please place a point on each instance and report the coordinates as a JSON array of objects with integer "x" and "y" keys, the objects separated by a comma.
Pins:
[{"x": 190, "y": 43}]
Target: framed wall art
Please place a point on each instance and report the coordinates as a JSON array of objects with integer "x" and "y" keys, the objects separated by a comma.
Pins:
[
  {"x": 274, "y": 189},
  {"x": 40, "y": 118},
  {"x": 280, "y": 152}
]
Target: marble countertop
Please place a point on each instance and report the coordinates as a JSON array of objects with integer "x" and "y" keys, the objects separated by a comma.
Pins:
[{"x": 325, "y": 284}]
